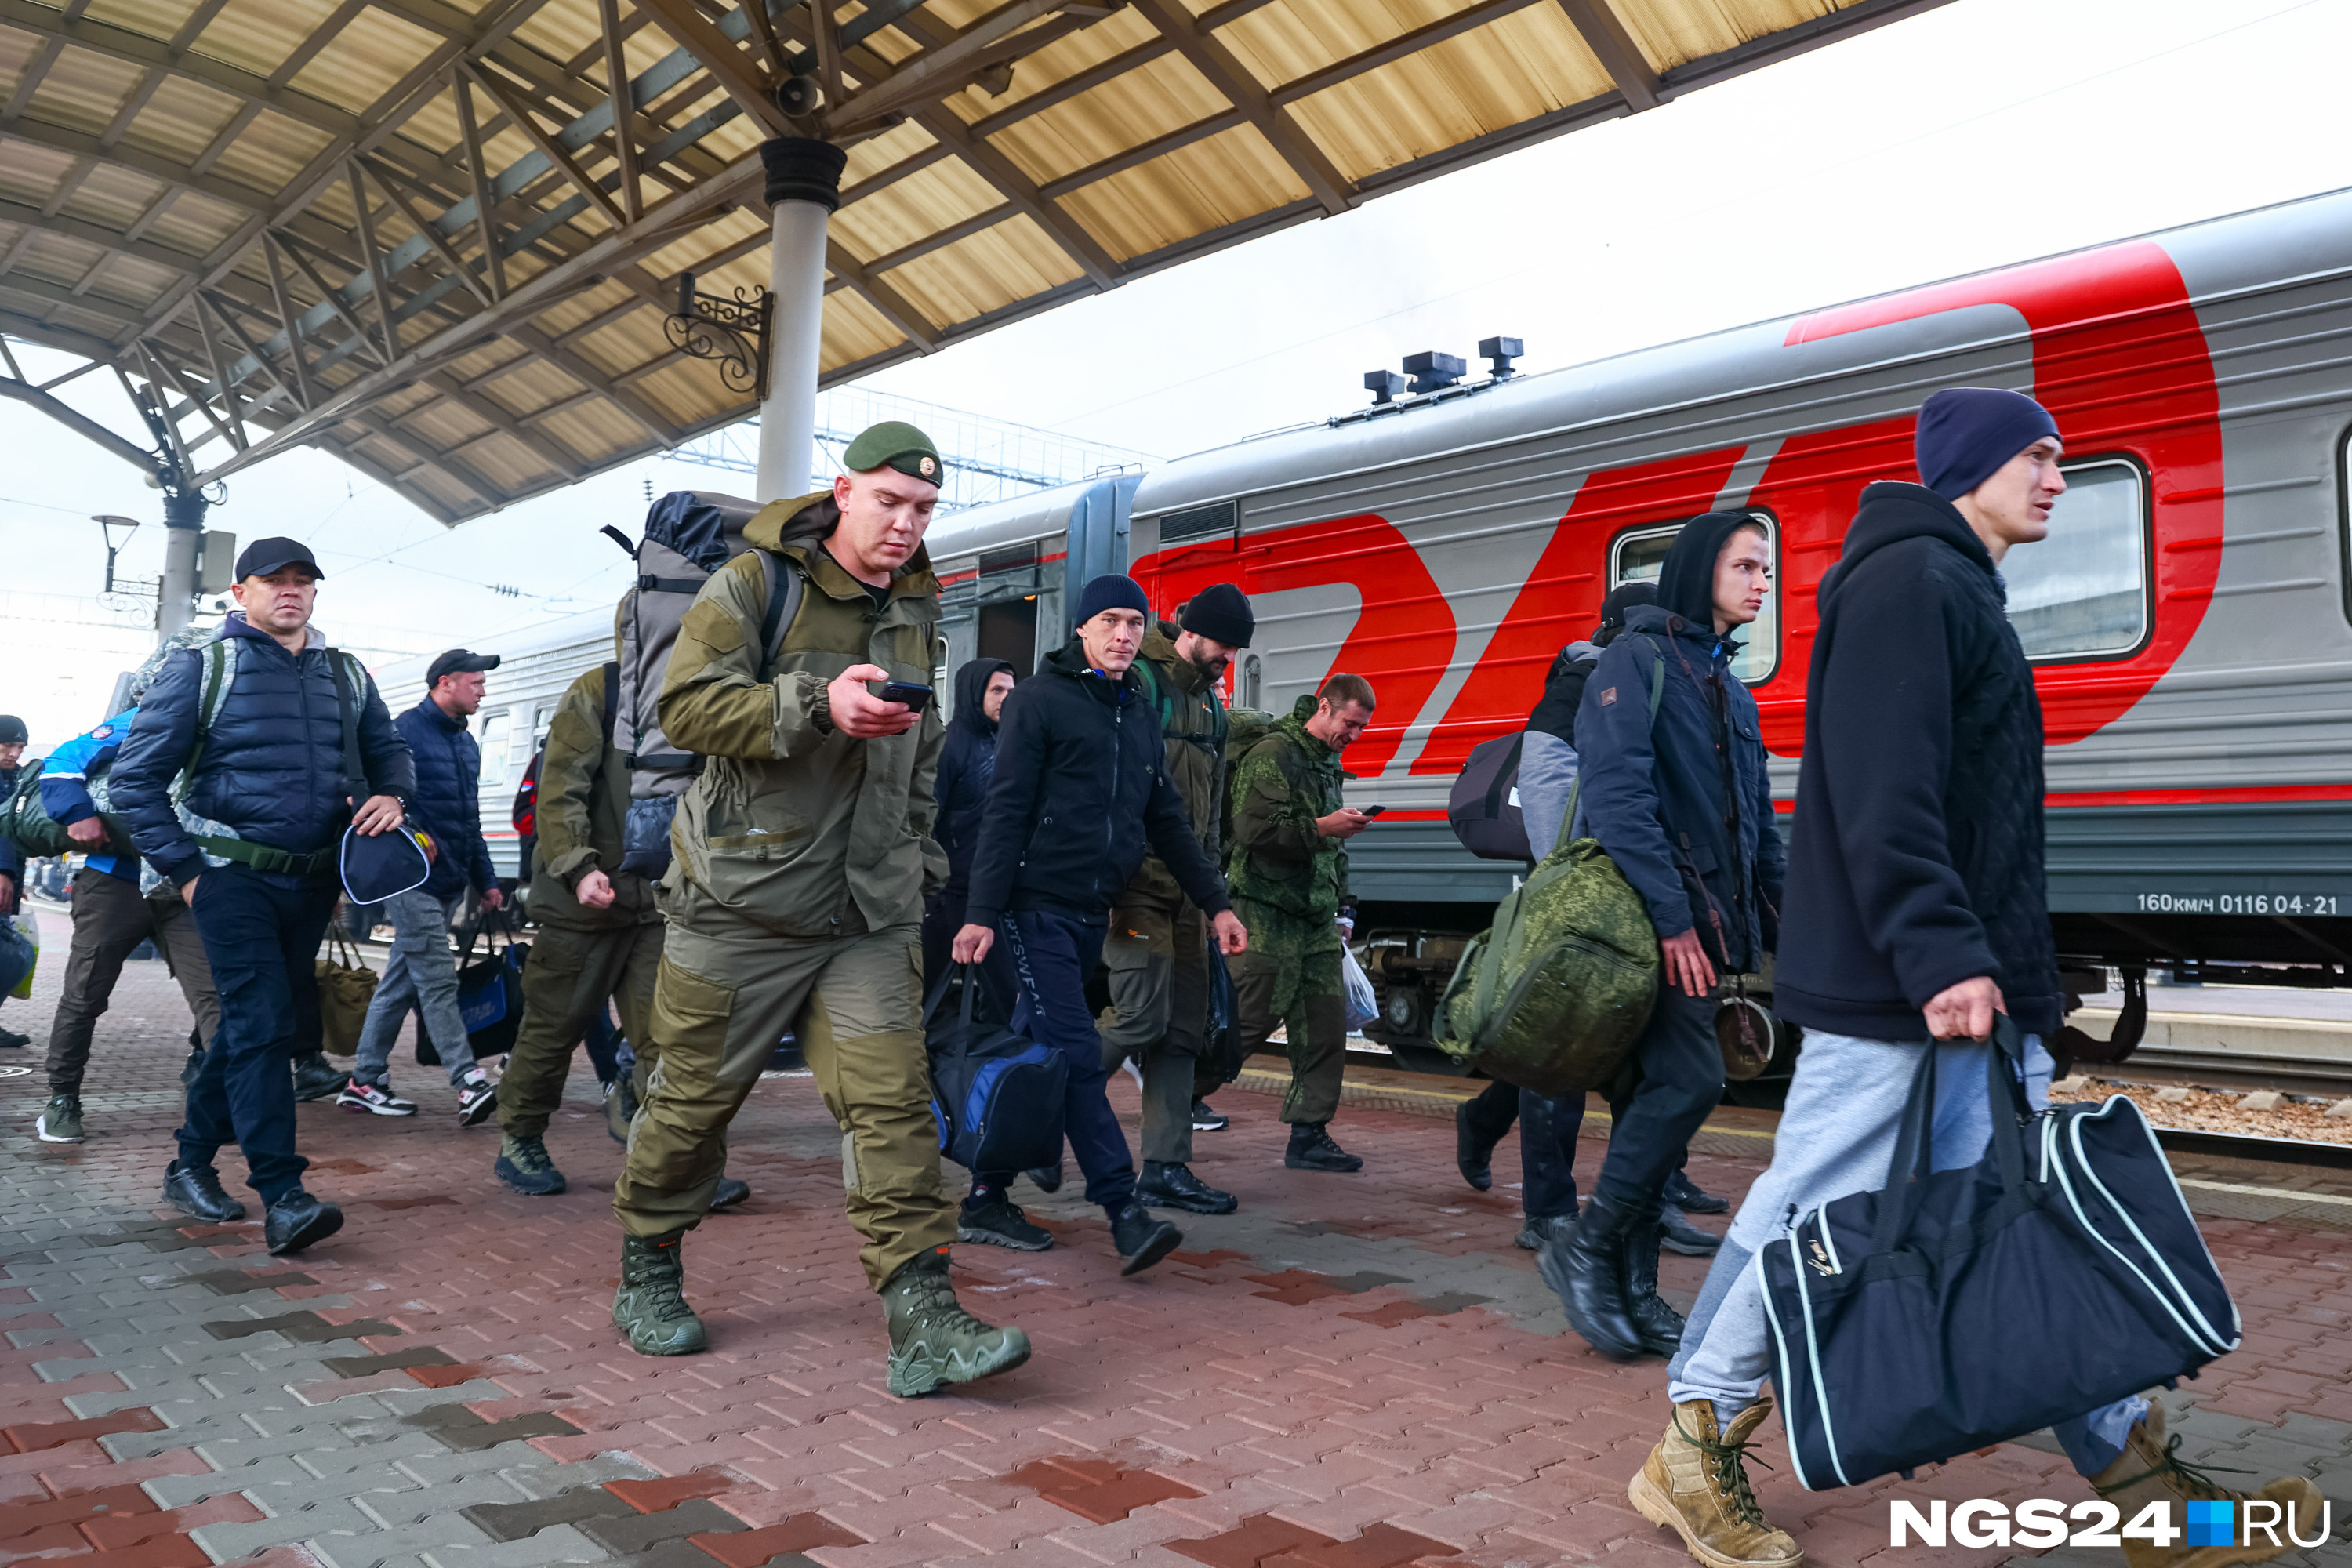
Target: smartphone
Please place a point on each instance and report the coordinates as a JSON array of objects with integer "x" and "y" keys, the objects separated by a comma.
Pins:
[
  {"x": 1371, "y": 810},
  {"x": 906, "y": 691}
]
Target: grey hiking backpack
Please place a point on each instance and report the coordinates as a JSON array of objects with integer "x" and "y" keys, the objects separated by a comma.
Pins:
[{"x": 689, "y": 534}]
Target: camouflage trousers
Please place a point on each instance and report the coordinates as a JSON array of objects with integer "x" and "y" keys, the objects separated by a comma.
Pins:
[
  {"x": 571, "y": 975},
  {"x": 728, "y": 992},
  {"x": 1291, "y": 977}
]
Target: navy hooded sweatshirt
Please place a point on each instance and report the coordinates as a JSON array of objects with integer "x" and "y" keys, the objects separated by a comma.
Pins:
[
  {"x": 967, "y": 767},
  {"x": 1919, "y": 858}
]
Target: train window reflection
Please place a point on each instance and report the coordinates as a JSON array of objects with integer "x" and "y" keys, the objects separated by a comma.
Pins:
[
  {"x": 496, "y": 763},
  {"x": 1637, "y": 556},
  {"x": 2083, "y": 591}
]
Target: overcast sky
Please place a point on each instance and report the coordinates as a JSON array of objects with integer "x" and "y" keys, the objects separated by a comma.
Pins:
[{"x": 1984, "y": 132}]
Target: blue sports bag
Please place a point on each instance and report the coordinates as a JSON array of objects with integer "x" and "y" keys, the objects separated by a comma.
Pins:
[{"x": 997, "y": 1095}]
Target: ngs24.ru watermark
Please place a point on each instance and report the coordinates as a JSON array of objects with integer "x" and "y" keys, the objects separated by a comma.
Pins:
[{"x": 2044, "y": 1522}]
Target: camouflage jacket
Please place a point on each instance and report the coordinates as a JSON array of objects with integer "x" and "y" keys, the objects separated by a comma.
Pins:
[
  {"x": 583, "y": 793},
  {"x": 792, "y": 825},
  {"x": 1277, "y": 861},
  {"x": 1192, "y": 718}
]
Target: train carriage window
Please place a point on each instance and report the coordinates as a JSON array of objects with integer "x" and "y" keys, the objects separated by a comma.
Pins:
[
  {"x": 496, "y": 763},
  {"x": 1637, "y": 557},
  {"x": 2083, "y": 592}
]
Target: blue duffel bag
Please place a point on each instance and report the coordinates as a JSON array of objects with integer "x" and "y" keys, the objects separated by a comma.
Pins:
[
  {"x": 1961, "y": 1308},
  {"x": 998, "y": 1096}
]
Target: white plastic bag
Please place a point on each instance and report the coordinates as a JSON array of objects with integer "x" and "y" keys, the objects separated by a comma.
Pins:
[{"x": 1363, "y": 1006}]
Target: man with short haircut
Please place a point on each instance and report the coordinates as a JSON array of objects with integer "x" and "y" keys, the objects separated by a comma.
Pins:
[
  {"x": 1157, "y": 948},
  {"x": 258, "y": 719},
  {"x": 1676, "y": 789},
  {"x": 13, "y": 739},
  {"x": 1289, "y": 872},
  {"x": 111, "y": 918},
  {"x": 1916, "y": 911},
  {"x": 1082, "y": 792},
  {"x": 600, "y": 932},
  {"x": 422, "y": 972},
  {"x": 804, "y": 852}
]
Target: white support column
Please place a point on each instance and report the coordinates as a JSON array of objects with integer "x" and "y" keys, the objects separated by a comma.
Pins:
[{"x": 804, "y": 187}]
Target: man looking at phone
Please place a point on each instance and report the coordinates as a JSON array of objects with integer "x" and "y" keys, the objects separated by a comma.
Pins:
[
  {"x": 804, "y": 851},
  {"x": 1289, "y": 871}
]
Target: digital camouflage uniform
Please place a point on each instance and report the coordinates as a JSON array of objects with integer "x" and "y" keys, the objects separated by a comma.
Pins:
[
  {"x": 802, "y": 855},
  {"x": 582, "y": 956},
  {"x": 1288, "y": 883},
  {"x": 1156, "y": 951}
]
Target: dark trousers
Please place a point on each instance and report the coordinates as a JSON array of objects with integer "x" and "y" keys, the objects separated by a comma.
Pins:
[
  {"x": 262, "y": 941},
  {"x": 1548, "y": 1129},
  {"x": 1679, "y": 1069},
  {"x": 110, "y": 918},
  {"x": 1052, "y": 956},
  {"x": 1492, "y": 1111}
]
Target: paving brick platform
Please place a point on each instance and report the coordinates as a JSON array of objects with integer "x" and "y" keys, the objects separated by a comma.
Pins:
[{"x": 1353, "y": 1371}]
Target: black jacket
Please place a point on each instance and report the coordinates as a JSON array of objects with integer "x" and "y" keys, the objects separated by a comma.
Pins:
[
  {"x": 1918, "y": 832},
  {"x": 1082, "y": 792},
  {"x": 1682, "y": 806},
  {"x": 448, "y": 799},
  {"x": 272, "y": 769},
  {"x": 967, "y": 767}
]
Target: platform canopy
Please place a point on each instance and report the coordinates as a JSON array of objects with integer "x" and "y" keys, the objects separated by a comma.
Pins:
[{"x": 440, "y": 238}]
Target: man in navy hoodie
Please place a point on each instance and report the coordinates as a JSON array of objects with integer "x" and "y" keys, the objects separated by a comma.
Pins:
[
  {"x": 264, "y": 722},
  {"x": 1916, "y": 911},
  {"x": 1082, "y": 787},
  {"x": 422, "y": 972}
]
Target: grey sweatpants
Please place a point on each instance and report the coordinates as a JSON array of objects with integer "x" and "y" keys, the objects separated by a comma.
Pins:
[
  {"x": 423, "y": 975},
  {"x": 1547, "y": 776},
  {"x": 1836, "y": 1138}
]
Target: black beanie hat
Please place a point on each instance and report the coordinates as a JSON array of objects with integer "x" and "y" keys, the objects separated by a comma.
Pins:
[
  {"x": 1221, "y": 612},
  {"x": 1111, "y": 592},
  {"x": 1967, "y": 434},
  {"x": 13, "y": 731}
]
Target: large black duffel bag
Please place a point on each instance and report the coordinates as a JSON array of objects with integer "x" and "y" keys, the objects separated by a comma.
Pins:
[
  {"x": 997, "y": 1097},
  {"x": 1961, "y": 1308}
]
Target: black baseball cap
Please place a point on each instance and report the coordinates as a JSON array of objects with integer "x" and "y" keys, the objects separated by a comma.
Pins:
[
  {"x": 459, "y": 662},
  {"x": 263, "y": 556}
]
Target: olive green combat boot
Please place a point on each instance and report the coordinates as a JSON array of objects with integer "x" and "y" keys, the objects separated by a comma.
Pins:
[
  {"x": 1696, "y": 1484},
  {"x": 650, "y": 1306},
  {"x": 2150, "y": 1470},
  {"x": 933, "y": 1341}
]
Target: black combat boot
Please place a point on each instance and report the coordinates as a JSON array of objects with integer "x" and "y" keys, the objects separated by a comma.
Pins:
[
  {"x": 1588, "y": 1270},
  {"x": 316, "y": 1078},
  {"x": 1659, "y": 1326},
  {"x": 1313, "y": 1148},
  {"x": 1172, "y": 1185}
]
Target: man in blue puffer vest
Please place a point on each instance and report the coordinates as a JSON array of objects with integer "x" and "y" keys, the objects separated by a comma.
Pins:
[
  {"x": 256, "y": 720},
  {"x": 423, "y": 971}
]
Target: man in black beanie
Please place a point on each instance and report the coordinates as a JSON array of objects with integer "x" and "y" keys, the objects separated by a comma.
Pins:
[
  {"x": 1082, "y": 792},
  {"x": 1156, "y": 952}
]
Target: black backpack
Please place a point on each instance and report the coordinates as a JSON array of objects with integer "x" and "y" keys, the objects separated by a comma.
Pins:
[{"x": 1484, "y": 807}]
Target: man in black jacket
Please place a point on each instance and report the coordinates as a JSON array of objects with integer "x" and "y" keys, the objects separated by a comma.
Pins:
[
  {"x": 1081, "y": 789},
  {"x": 1673, "y": 787},
  {"x": 967, "y": 767},
  {"x": 258, "y": 719},
  {"x": 1917, "y": 912}
]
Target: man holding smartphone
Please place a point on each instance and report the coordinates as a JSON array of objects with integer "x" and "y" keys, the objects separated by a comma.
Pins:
[
  {"x": 1289, "y": 877},
  {"x": 804, "y": 851}
]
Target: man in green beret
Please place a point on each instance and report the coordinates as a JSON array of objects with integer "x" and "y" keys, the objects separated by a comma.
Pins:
[{"x": 804, "y": 851}]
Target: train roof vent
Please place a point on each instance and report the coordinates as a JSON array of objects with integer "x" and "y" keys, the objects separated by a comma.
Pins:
[
  {"x": 1435, "y": 377},
  {"x": 1432, "y": 371},
  {"x": 1498, "y": 353}
]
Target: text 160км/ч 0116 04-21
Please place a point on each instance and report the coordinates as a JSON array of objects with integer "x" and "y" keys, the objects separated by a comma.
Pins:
[{"x": 2237, "y": 903}]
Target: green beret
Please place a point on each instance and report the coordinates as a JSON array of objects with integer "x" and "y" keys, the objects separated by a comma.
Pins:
[{"x": 893, "y": 443}]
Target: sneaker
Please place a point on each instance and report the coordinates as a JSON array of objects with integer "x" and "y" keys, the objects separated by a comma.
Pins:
[
  {"x": 729, "y": 1192},
  {"x": 619, "y": 1108},
  {"x": 1207, "y": 1118},
  {"x": 13, "y": 1041},
  {"x": 375, "y": 1099},
  {"x": 523, "y": 1165},
  {"x": 1172, "y": 1185},
  {"x": 1676, "y": 1234},
  {"x": 316, "y": 1078},
  {"x": 1695, "y": 1483},
  {"x": 1688, "y": 1196},
  {"x": 196, "y": 1191},
  {"x": 1142, "y": 1238},
  {"x": 1543, "y": 1227},
  {"x": 477, "y": 1098},
  {"x": 933, "y": 1341},
  {"x": 997, "y": 1221},
  {"x": 1311, "y": 1149},
  {"x": 296, "y": 1220},
  {"x": 650, "y": 1306},
  {"x": 59, "y": 1121}
]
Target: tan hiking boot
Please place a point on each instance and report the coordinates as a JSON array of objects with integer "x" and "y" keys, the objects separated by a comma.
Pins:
[
  {"x": 2151, "y": 1471},
  {"x": 1696, "y": 1484}
]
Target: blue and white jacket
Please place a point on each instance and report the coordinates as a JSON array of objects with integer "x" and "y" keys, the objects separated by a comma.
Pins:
[{"x": 66, "y": 778}]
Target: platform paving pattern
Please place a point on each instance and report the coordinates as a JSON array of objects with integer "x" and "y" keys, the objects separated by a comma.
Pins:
[{"x": 1353, "y": 1371}]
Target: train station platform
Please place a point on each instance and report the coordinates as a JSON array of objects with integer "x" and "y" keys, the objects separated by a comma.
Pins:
[{"x": 1353, "y": 1372}]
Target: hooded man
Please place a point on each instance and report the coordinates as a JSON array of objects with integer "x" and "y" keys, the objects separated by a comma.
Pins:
[
  {"x": 1916, "y": 911},
  {"x": 1082, "y": 792},
  {"x": 803, "y": 853},
  {"x": 13, "y": 739},
  {"x": 1675, "y": 790},
  {"x": 967, "y": 767}
]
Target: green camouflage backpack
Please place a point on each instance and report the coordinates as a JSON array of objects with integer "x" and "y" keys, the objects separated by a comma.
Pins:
[{"x": 1554, "y": 993}]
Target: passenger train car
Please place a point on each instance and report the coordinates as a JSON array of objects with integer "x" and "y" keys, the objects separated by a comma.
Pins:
[{"x": 2190, "y": 616}]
